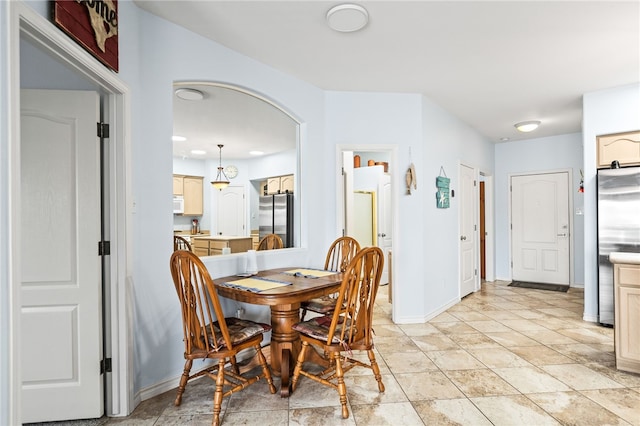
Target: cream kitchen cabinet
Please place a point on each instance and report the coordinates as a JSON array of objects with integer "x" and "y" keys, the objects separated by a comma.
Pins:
[
  {"x": 212, "y": 246},
  {"x": 621, "y": 147},
  {"x": 178, "y": 185},
  {"x": 190, "y": 187},
  {"x": 278, "y": 185},
  {"x": 626, "y": 281}
]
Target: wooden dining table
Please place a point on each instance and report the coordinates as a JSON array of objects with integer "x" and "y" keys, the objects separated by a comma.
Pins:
[{"x": 284, "y": 301}]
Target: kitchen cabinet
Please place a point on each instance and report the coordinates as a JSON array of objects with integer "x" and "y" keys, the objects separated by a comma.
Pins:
[
  {"x": 178, "y": 185},
  {"x": 212, "y": 246},
  {"x": 190, "y": 187},
  {"x": 626, "y": 281},
  {"x": 278, "y": 185},
  {"x": 623, "y": 147}
]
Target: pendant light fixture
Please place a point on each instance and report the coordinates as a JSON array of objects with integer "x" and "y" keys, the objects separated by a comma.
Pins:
[{"x": 221, "y": 181}]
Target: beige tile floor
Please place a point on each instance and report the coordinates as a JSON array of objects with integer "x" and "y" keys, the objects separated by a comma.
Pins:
[{"x": 503, "y": 356}]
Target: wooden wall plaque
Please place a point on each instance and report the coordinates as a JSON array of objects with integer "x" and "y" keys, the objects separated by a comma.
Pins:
[{"x": 93, "y": 24}]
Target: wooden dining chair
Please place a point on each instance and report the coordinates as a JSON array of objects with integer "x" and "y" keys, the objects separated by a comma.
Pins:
[
  {"x": 209, "y": 335},
  {"x": 180, "y": 243},
  {"x": 270, "y": 242},
  {"x": 339, "y": 255},
  {"x": 347, "y": 329}
]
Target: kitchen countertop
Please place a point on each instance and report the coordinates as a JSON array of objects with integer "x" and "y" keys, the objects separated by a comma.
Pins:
[
  {"x": 188, "y": 233},
  {"x": 217, "y": 237},
  {"x": 621, "y": 257}
]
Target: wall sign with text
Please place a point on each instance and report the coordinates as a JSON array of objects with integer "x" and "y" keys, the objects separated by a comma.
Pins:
[{"x": 93, "y": 24}]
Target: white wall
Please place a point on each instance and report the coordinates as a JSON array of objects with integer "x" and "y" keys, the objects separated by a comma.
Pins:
[
  {"x": 537, "y": 155},
  {"x": 426, "y": 268},
  {"x": 604, "y": 112},
  {"x": 448, "y": 142},
  {"x": 172, "y": 53}
]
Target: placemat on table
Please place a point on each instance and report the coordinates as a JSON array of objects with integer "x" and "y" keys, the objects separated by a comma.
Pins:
[
  {"x": 310, "y": 273},
  {"x": 256, "y": 284}
]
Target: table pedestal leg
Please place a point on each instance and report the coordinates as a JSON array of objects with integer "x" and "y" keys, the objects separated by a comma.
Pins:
[{"x": 285, "y": 343}]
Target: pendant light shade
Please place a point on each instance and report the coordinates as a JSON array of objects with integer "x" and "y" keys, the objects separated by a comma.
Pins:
[{"x": 221, "y": 181}]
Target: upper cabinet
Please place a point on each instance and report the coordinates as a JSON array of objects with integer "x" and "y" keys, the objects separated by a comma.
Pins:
[
  {"x": 621, "y": 147},
  {"x": 178, "y": 185},
  {"x": 278, "y": 185},
  {"x": 190, "y": 187}
]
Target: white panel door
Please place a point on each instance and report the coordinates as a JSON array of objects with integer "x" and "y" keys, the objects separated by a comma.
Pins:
[
  {"x": 231, "y": 215},
  {"x": 61, "y": 280},
  {"x": 468, "y": 227},
  {"x": 385, "y": 235},
  {"x": 540, "y": 228}
]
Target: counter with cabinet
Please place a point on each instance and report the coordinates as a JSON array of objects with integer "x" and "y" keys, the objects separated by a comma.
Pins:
[
  {"x": 214, "y": 245},
  {"x": 626, "y": 282}
]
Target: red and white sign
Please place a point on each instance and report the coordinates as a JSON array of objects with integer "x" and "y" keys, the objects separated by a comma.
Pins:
[{"x": 93, "y": 24}]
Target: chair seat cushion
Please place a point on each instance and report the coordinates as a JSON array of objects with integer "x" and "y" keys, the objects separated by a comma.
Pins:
[
  {"x": 322, "y": 305},
  {"x": 240, "y": 330},
  {"x": 318, "y": 328}
]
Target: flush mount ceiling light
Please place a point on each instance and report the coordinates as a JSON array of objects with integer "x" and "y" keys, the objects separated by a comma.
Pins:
[
  {"x": 176, "y": 138},
  {"x": 527, "y": 126},
  {"x": 347, "y": 18},
  {"x": 189, "y": 94},
  {"x": 222, "y": 181}
]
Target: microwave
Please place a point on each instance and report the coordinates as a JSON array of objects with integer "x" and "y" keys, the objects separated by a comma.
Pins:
[{"x": 178, "y": 204}]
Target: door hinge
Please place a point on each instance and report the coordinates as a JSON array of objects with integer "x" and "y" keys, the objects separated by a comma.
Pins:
[
  {"x": 474, "y": 183},
  {"x": 105, "y": 366},
  {"x": 104, "y": 248},
  {"x": 103, "y": 130},
  {"x": 475, "y": 272}
]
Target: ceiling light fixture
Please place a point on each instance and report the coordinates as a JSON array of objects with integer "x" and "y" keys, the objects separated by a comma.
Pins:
[
  {"x": 347, "y": 18},
  {"x": 198, "y": 152},
  {"x": 256, "y": 152},
  {"x": 189, "y": 94},
  {"x": 222, "y": 181},
  {"x": 527, "y": 126},
  {"x": 178, "y": 138}
]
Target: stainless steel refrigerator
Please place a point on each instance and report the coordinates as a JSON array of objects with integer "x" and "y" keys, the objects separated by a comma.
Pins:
[
  {"x": 275, "y": 216},
  {"x": 618, "y": 228}
]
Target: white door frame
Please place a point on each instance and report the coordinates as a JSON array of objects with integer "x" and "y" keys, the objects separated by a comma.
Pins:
[
  {"x": 570, "y": 201},
  {"x": 490, "y": 270},
  {"x": 392, "y": 150},
  {"x": 24, "y": 22}
]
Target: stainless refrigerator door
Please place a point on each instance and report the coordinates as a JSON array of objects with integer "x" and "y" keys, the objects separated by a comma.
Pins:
[
  {"x": 281, "y": 206},
  {"x": 265, "y": 216},
  {"x": 618, "y": 228}
]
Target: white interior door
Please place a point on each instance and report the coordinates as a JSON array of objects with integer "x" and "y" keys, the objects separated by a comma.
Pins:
[
  {"x": 364, "y": 213},
  {"x": 61, "y": 330},
  {"x": 540, "y": 228},
  {"x": 347, "y": 193},
  {"x": 231, "y": 216},
  {"x": 468, "y": 231},
  {"x": 385, "y": 231}
]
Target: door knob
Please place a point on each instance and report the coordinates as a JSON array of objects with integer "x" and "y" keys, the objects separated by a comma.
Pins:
[
  {"x": 382, "y": 235},
  {"x": 562, "y": 235},
  {"x": 463, "y": 238}
]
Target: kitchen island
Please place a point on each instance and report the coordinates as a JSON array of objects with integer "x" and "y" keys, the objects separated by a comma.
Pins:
[
  {"x": 215, "y": 245},
  {"x": 626, "y": 281}
]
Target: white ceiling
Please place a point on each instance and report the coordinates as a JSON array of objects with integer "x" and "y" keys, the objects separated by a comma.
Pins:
[
  {"x": 235, "y": 119},
  {"x": 491, "y": 64}
]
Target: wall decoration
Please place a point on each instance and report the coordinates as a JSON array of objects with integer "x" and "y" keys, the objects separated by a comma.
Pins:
[
  {"x": 411, "y": 179},
  {"x": 442, "y": 194},
  {"x": 93, "y": 24}
]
